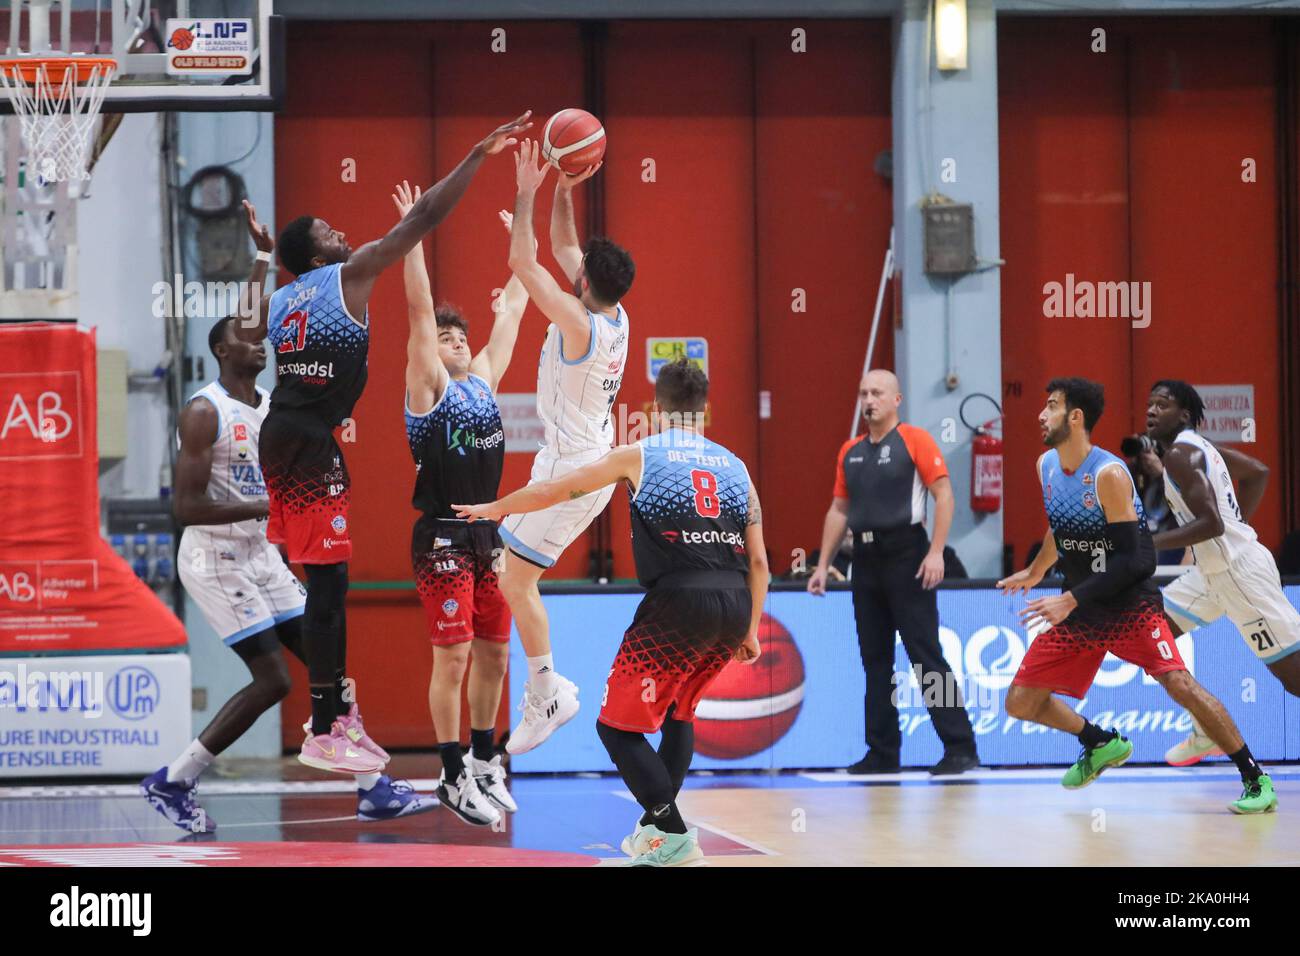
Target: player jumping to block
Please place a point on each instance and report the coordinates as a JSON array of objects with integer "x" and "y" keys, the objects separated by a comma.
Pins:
[
  {"x": 697, "y": 537},
  {"x": 578, "y": 379},
  {"x": 237, "y": 578},
  {"x": 320, "y": 329},
  {"x": 453, "y": 426},
  {"x": 1234, "y": 574},
  {"x": 1098, "y": 529}
]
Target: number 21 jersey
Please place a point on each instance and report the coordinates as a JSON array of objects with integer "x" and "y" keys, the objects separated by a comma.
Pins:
[{"x": 320, "y": 349}]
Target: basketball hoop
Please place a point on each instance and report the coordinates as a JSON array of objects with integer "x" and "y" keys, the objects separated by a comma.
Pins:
[{"x": 57, "y": 100}]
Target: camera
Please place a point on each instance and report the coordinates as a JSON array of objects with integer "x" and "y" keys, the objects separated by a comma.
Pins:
[{"x": 1134, "y": 445}]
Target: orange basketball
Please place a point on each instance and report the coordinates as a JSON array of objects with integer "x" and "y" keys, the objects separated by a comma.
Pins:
[
  {"x": 573, "y": 140},
  {"x": 182, "y": 39}
]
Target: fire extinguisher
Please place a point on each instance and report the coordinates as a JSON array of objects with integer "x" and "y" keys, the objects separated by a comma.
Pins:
[{"x": 985, "y": 459}]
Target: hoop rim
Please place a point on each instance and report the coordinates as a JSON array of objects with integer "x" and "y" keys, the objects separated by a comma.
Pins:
[{"x": 57, "y": 67}]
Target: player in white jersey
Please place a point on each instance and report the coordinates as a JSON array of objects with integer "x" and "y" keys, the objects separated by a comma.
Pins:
[
  {"x": 1234, "y": 574},
  {"x": 581, "y": 369},
  {"x": 236, "y": 577}
]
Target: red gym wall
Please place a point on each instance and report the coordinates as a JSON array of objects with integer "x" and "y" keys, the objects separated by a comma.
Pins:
[
  {"x": 1127, "y": 166},
  {"x": 763, "y": 185}
]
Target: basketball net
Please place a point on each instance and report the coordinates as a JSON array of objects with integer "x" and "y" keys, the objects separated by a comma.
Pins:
[{"x": 57, "y": 101}]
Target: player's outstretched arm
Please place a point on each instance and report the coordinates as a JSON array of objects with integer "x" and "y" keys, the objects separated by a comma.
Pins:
[
  {"x": 564, "y": 229},
  {"x": 254, "y": 303},
  {"x": 561, "y": 307},
  {"x": 508, "y": 309},
  {"x": 621, "y": 464},
  {"x": 1185, "y": 466},
  {"x": 759, "y": 576},
  {"x": 191, "y": 504},
  {"x": 426, "y": 376},
  {"x": 364, "y": 266},
  {"x": 1251, "y": 476}
]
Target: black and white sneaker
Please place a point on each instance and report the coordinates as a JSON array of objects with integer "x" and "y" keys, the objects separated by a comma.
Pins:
[
  {"x": 491, "y": 777},
  {"x": 466, "y": 800}
]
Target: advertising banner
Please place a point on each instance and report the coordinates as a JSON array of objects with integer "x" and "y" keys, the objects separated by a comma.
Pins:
[
  {"x": 801, "y": 704},
  {"x": 61, "y": 586},
  {"x": 92, "y": 716}
]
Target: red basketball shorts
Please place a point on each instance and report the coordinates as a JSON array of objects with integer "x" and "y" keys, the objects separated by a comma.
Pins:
[
  {"x": 308, "y": 487},
  {"x": 679, "y": 642},
  {"x": 1065, "y": 658},
  {"x": 457, "y": 582}
]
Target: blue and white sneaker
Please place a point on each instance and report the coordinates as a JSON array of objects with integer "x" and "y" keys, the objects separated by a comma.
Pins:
[
  {"x": 175, "y": 801},
  {"x": 668, "y": 849},
  {"x": 389, "y": 799}
]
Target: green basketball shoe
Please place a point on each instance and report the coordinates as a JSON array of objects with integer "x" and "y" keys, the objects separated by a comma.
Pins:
[
  {"x": 1092, "y": 762},
  {"x": 1257, "y": 797}
]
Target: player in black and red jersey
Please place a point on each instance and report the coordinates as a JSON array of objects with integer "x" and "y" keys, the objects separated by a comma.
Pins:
[
  {"x": 453, "y": 426},
  {"x": 319, "y": 328}
]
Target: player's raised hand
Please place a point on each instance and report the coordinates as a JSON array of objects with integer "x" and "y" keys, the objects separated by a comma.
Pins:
[
  {"x": 504, "y": 136},
  {"x": 492, "y": 511},
  {"x": 404, "y": 198},
  {"x": 508, "y": 220},
  {"x": 749, "y": 651},
  {"x": 569, "y": 180},
  {"x": 261, "y": 235},
  {"x": 1020, "y": 583},
  {"x": 528, "y": 174}
]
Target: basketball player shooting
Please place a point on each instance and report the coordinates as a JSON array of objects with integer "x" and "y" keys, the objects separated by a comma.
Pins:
[
  {"x": 319, "y": 326},
  {"x": 578, "y": 380}
]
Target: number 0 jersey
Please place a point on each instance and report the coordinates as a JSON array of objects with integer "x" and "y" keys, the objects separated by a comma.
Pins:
[
  {"x": 690, "y": 508},
  {"x": 1083, "y": 539},
  {"x": 1220, "y": 553},
  {"x": 320, "y": 349}
]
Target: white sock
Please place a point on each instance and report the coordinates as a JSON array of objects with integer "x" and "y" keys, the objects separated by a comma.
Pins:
[
  {"x": 366, "y": 781},
  {"x": 541, "y": 675},
  {"x": 190, "y": 764}
]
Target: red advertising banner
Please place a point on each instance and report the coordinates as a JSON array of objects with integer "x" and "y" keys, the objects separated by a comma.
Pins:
[{"x": 62, "y": 588}]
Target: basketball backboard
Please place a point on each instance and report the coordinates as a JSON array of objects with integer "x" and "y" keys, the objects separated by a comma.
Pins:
[{"x": 187, "y": 55}]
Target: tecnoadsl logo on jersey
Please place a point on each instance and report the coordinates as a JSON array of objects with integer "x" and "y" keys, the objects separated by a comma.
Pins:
[{"x": 77, "y": 909}]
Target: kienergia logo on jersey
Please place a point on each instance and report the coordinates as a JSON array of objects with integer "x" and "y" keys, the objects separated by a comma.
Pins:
[
  {"x": 450, "y": 606},
  {"x": 339, "y": 524}
]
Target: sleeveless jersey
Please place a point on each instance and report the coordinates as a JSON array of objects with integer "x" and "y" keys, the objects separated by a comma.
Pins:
[
  {"x": 575, "y": 399},
  {"x": 459, "y": 449},
  {"x": 1217, "y": 554},
  {"x": 690, "y": 507},
  {"x": 236, "y": 473},
  {"x": 320, "y": 349},
  {"x": 1081, "y": 534}
]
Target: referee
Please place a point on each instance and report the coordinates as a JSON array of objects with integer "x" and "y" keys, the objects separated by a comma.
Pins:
[{"x": 881, "y": 481}]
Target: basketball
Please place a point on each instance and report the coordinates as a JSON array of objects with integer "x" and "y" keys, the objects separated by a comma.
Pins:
[
  {"x": 573, "y": 140},
  {"x": 751, "y": 706},
  {"x": 182, "y": 39}
]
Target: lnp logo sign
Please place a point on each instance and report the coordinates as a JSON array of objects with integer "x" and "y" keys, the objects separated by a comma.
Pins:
[
  {"x": 41, "y": 415},
  {"x": 209, "y": 47},
  {"x": 134, "y": 693}
]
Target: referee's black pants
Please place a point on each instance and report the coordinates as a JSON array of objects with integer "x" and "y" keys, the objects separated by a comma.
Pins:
[{"x": 888, "y": 597}]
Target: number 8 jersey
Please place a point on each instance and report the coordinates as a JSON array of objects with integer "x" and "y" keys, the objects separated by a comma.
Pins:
[
  {"x": 690, "y": 508},
  {"x": 320, "y": 349}
]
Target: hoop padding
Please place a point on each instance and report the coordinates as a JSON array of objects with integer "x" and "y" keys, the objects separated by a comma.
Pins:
[{"x": 57, "y": 100}]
